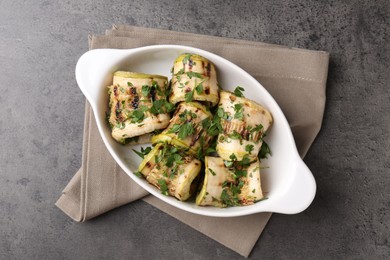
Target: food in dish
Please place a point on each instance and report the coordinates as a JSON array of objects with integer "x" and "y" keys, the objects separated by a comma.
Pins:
[
  {"x": 230, "y": 183},
  {"x": 223, "y": 129},
  {"x": 194, "y": 78},
  {"x": 186, "y": 129},
  {"x": 171, "y": 170},
  {"x": 138, "y": 104},
  {"x": 244, "y": 123}
]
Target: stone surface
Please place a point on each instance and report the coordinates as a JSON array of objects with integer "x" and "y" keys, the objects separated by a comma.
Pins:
[{"x": 41, "y": 120}]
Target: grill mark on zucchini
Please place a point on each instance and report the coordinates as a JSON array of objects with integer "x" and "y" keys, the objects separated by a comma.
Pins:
[{"x": 135, "y": 102}]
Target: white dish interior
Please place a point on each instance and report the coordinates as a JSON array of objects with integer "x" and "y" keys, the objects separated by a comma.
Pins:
[{"x": 287, "y": 182}]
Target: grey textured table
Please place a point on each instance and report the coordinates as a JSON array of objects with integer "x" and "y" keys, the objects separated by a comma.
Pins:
[{"x": 41, "y": 122}]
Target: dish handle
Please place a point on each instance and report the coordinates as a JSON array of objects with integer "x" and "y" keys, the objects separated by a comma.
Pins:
[
  {"x": 93, "y": 68},
  {"x": 301, "y": 194}
]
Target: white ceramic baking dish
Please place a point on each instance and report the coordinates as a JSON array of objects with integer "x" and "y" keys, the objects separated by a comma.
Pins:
[{"x": 286, "y": 180}]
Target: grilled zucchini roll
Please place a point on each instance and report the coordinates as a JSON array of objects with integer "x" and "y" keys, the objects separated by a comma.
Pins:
[
  {"x": 244, "y": 123},
  {"x": 170, "y": 170},
  {"x": 230, "y": 185},
  {"x": 138, "y": 104},
  {"x": 194, "y": 78},
  {"x": 185, "y": 128}
]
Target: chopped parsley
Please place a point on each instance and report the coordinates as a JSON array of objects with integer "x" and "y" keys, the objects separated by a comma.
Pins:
[
  {"x": 157, "y": 88},
  {"x": 264, "y": 151},
  {"x": 143, "y": 151},
  {"x": 212, "y": 172},
  {"x": 249, "y": 148},
  {"x": 120, "y": 125},
  {"x": 138, "y": 115},
  {"x": 189, "y": 96},
  {"x": 191, "y": 74},
  {"x": 161, "y": 106},
  {"x": 229, "y": 195},
  {"x": 222, "y": 114},
  {"x": 138, "y": 174},
  {"x": 257, "y": 128},
  {"x": 213, "y": 126},
  {"x": 186, "y": 58},
  {"x": 238, "y": 109},
  {"x": 163, "y": 186},
  {"x": 146, "y": 90},
  {"x": 199, "y": 88},
  {"x": 185, "y": 130},
  {"x": 235, "y": 135},
  {"x": 238, "y": 91},
  {"x": 184, "y": 127}
]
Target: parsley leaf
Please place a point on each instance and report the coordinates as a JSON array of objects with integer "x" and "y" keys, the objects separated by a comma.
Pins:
[
  {"x": 257, "y": 128},
  {"x": 233, "y": 157},
  {"x": 163, "y": 186},
  {"x": 235, "y": 135},
  {"x": 186, "y": 58},
  {"x": 212, "y": 126},
  {"x": 138, "y": 115},
  {"x": 138, "y": 174},
  {"x": 157, "y": 88},
  {"x": 146, "y": 90},
  {"x": 238, "y": 91},
  {"x": 212, "y": 172},
  {"x": 143, "y": 151},
  {"x": 238, "y": 109},
  {"x": 249, "y": 148},
  {"x": 264, "y": 151},
  {"x": 199, "y": 88},
  {"x": 191, "y": 74},
  {"x": 244, "y": 162},
  {"x": 189, "y": 96},
  {"x": 161, "y": 106},
  {"x": 240, "y": 173},
  {"x": 186, "y": 129}
]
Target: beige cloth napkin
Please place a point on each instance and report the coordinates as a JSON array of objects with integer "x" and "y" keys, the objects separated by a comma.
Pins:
[{"x": 295, "y": 77}]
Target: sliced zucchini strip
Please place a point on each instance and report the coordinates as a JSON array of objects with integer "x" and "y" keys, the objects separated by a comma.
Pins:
[
  {"x": 131, "y": 99},
  {"x": 244, "y": 124},
  {"x": 185, "y": 128},
  {"x": 170, "y": 170},
  {"x": 194, "y": 78},
  {"x": 229, "y": 186}
]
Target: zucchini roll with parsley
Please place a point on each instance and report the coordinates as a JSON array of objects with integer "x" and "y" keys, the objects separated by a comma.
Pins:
[
  {"x": 171, "y": 170},
  {"x": 138, "y": 104},
  {"x": 244, "y": 123},
  {"x": 185, "y": 129},
  {"x": 230, "y": 184},
  {"x": 194, "y": 78}
]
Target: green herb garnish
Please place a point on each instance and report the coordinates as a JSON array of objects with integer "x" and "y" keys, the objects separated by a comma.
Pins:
[
  {"x": 143, "y": 151},
  {"x": 186, "y": 58},
  {"x": 189, "y": 96},
  {"x": 249, "y": 148},
  {"x": 163, "y": 186},
  {"x": 264, "y": 151},
  {"x": 191, "y": 74},
  {"x": 146, "y": 90},
  {"x": 199, "y": 88},
  {"x": 238, "y": 91},
  {"x": 212, "y": 172},
  {"x": 238, "y": 109},
  {"x": 138, "y": 115}
]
